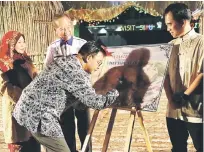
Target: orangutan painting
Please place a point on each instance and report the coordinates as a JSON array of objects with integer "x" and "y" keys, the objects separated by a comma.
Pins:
[{"x": 143, "y": 67}]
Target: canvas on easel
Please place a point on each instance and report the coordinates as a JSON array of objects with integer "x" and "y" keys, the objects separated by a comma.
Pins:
[{"x": 143, "y": 66}]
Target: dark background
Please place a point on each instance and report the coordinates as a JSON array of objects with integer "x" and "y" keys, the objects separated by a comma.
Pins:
[{"x": 118, "y": 38}]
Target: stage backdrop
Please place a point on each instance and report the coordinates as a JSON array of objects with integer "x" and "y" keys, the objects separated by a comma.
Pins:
[{"x": 144, "y": 68}]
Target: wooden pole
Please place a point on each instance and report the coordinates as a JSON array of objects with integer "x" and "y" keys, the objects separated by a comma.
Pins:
[
  {"x": 130, "y": 130},
  {"x": 91, "y": 127},
  {"x": 109, "y": 130},
  {"x": 147, "y": 140}
]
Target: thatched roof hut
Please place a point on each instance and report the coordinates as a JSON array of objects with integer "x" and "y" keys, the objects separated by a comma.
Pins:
[
  {"x": 151, "y": 7},
  {"x": 33, "y": 20},
  {"x": 154, "y": 5},
  {"x": 105, "y": 11}
]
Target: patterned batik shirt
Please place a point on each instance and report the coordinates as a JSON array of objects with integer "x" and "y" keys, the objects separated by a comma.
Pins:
[{"x": 55, "y": 89}]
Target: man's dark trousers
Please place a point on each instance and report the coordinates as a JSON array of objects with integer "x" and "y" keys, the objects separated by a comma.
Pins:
[
  {"x": 179, "y": 131},
  {"x": 67, "y": 123}
]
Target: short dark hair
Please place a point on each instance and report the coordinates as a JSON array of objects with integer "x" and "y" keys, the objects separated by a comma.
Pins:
[
  {"x": 180, "y": 12},
  {"x": 98, "y": 41},
  {"x": 91, "y": 48}
]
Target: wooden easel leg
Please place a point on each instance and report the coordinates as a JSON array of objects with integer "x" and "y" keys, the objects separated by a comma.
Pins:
[
  {"x": 147, "y": 140},
  {"x": 130, "y": 130},
  {"x": 109, "y": 130},
  {"x": 91, "y": 127}
]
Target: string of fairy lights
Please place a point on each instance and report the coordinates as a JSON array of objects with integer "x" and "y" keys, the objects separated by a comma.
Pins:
[
  {"x": 108, "y": 15},
  {"x": 95, "y": 16}
]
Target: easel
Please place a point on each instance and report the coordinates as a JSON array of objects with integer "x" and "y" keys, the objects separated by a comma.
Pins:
[{"x": 128, "y": 139}]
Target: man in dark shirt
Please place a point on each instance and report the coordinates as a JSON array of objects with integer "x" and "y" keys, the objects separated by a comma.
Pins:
[{"x": 66, "y": 81}]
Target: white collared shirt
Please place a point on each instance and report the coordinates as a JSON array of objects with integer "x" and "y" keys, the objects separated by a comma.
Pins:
[{"x": 55, "y": 50}]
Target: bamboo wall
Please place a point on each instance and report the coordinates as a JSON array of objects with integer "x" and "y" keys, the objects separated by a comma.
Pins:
[{"x": 33, "y": 19}]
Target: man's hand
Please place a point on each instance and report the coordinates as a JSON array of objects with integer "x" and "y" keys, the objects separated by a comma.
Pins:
[{"x": 180, "y": 99}]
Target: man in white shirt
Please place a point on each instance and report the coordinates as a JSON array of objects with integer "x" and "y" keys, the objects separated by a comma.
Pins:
[{"x": 66, "y": 45}]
